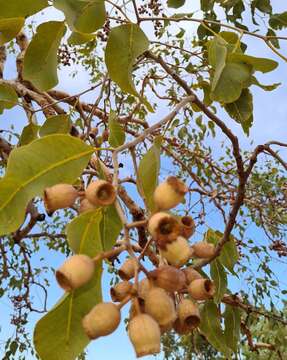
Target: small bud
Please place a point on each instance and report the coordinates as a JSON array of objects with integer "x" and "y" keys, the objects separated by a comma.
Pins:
[
  {"x": 169, "y": 193},
  {"x": 201, "y": 289},
  {"x": 102, "y": 320},
  {"x": 75, "y": 272},
  {"x": 163, "y": 227},
  {"x": 127, "y": 270},
  {"x": 191, "y": 274},
  {"x": 59, "y": 196},
  {"x": 144, "y": 287},
  {"x": 188, "y": 314},
  {"x": 85, "y": 205},
  {"x": 120, "y": 291},
  {"x": 160, "y": 306},
  {"x": 177, "y": 252},
  {"x": 144, "y": 334},
  {"x": 203, "y": 249},
  {"x": 187, "y": 226},
  {"x": 168, "y": 278},
  {"x": 101, "y": 193}
]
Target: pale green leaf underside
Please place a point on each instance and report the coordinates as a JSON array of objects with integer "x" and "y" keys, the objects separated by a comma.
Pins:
[
  {"x": 40, "y": 60},
  {"x": 117, "y": 133},
  {"x": 232, "y": 326},
  {"x": 219, "y": 277},
  {"x": 23, "y": 8},
  {"x": 58, "y": 124},
  {"x": 111, "y": 226},
  {"x": 8, "y": 97},
  {"x": 31, "y": 168},
  {"x": 9, "y": 28}
]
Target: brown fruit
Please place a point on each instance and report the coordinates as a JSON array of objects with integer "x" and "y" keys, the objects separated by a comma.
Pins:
[
  {"x": 120, "y": 291},
  {"x": 75, "y": 272},
  {"x": 191, "y": 274},
  {"x": 144, "y": 334},
  {"x": 187, "y": 226},
  {"x": 85, "y": 205},
  {"x": 144, "y": 287},
  {"x": 188, "y": 314},
  {"x": 160, "y": 306},
  {"x": 169, "y": 193},
  {"x": 59, "y": 196},
  {"x": 163, "y": 227},
  {"x": 201, "y": 289},
  {"x": 168, "y": 278},
  {"x": 102, "y": 320},
  {"x": 203, "y": 250},
  {"x": 177, "y": 252},
  {"x": 101, "y": 193},
  {"x": 127, "y": 270}
]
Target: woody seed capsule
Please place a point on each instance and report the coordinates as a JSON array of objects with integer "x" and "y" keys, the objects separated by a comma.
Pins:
[
  {"x": 59, "y": 196},
  {"x": 101, "y": 193},
  {"x": 120, "y": 291},
  {"x": 203, "y": 249},
  {"x": 168, "y": 277},
  {"x": 169, "y": 193},
  {"x": 201, "y": 289},
  {"x": 177, "y": 252}
]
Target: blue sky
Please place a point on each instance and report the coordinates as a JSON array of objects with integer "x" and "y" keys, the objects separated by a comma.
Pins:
[{"x": 270, "y": 111}]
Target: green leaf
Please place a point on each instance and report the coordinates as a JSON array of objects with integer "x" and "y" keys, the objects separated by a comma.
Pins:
[
  {"x": 232, "y": 327},
  {"x": 125, "y": 44},
  {"x": 271, "y": 87},
  {"x": 29, "y": 133},
  {"x": 278, "y": 21},
  {"x": 111, "y": 227},
  {"x": 77, "y": 38},
  {"x": 58, "y": 124},
  {"x": 117, "y": 134},
  {"x": 259, "y": 64},
  {"x": 175, "y": 3},
  {"x": 83, "y": 229},
  {"x": 217, "y": 53},
  {"x": 31, "y": 168},
  {"x": 148, "y": 172},
  {"x": 9, "y": 28},
  {"x": 229, "y": 254},
  {"x": 234, "y": 77},
  {"x": 219, "y": 277},
  {"x": 40, "y": 60},
  {"x": 211, "y": 329},
  {"x": 23, "y": 8},
  {"x": 83, "y": 16},
  {"x": 8, "y": 97},
  {"x": 242, "y": 110}
]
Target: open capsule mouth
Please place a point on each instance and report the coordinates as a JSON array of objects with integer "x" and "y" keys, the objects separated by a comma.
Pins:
[
  {"x": 209, "y": 287},
  {"x": 63, "y": 281},
  {"x": 168, "y": 226},
  {"x": 192, "y": 321},
  {"x": 187, "y": 221},
  {"x": 106, "y": 194}
]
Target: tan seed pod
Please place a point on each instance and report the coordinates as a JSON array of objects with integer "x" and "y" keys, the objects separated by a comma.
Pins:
[
  {"x": 203, "y": 249},
  {"x": 201, "y": 289},
  {"x": 134, "y": 310},
  {"x": 163, "y": 227},
  {"x": 160, "y": 306},
  {"x": 127, "y": 270},
  {"x": 177, "y": 252},
  {"x": 120, "y": 291},
  {"x": 85, "y": 205},
  {"x": 101, "y": 193},
  {"x": 169, "y": 193},
  {"x": 59, "y": 196},
  {"x": 191, "y": 274},
  {"x": 168, "y": 277},
  {"x": 75, "y": 272},
  {"x": 188, "y": 314},
  {"x": 102, "y": 320},
  {"x": 187, "y": 226},
  {"x": 144, "y": 287},
  {"x": 144, "y": 333}
]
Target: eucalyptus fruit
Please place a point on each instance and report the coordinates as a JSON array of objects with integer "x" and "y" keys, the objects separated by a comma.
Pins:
[
  {"x": 191, "y": 274},
  {"x": 203, "y": 249},
  {"x": 120, "y": 291},
  {"x": 75, "y": 272},
  {"x": 101, "y": 193},
  {"x": 187, "y": 226},
  {"x": 168, "y": 277},
  {"x": 188, "y": 314},
  {"x": 102, "y": 320},
  {"x": 163, "y": 227},
  {"x": 201, "y": 289},
  {"x": 176, "y": 252},
  {"x": 127, "y": 270},
  {"x": 86, "y": 205},
  {"x": 169, "y": 193},
  {"x": 59, "y": 196}
]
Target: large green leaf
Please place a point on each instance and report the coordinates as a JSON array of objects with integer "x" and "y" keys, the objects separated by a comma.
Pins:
[
  {"x": 111, "y": 226},
  {"x": 232, "y": 327},
  {"x": 40, "y": 60},
  {"x": 175, "y": 3},
  {"x": 22, "y": 8},
  {"x": 8, "y": 97},
  {"x": 77, "y": 38},
  {"x": 242, "y": 110},
  {"x": 31, "y": 168},
  {"x": 148, "y": 172},
  {"x": 278, "y": 21},
  {"x": 234, "y": 77},
  {"x": 59, "y": 334},
  {"x": 117, "y": 134},
  {"x": 219, "y": 277},
  {"x": 58, "y": 124},
  {"x": 125, "y": 44},
  {"x": 9, "y": 28},
  {"x": 29, "y": 133},
  {"x": 83, "y": 16},
  {"x": 211, "y": 329},
  {"x": 217, "y": 52},
  {"x": 259, "y": 64}
]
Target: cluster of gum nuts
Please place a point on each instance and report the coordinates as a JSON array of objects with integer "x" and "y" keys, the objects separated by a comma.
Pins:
[{"x": 169, "y": 296}]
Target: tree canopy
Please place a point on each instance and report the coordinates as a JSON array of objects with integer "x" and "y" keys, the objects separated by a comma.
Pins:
[{"x": 138, "y": 179}]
